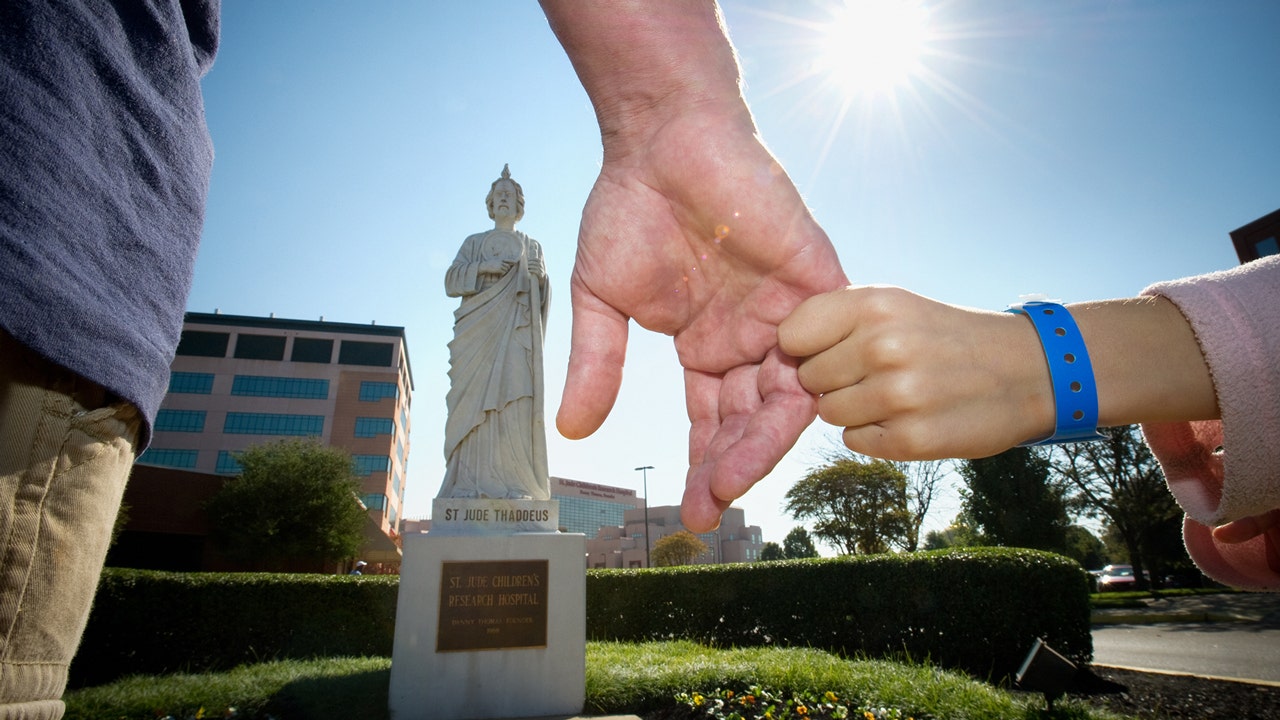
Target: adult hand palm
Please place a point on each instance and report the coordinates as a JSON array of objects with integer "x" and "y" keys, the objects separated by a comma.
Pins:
[{"x": 699, "y": 235}]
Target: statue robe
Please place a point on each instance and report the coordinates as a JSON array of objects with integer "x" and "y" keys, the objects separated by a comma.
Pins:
[{"x": 495, "y": 436}]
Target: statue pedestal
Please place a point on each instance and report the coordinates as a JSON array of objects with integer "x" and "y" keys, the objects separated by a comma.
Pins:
[
  {"x": 462, "y": 516},
  {"x": 490, "y": 624}
]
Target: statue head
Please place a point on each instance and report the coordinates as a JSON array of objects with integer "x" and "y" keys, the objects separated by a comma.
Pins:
[{"x": 506, "y": 177}]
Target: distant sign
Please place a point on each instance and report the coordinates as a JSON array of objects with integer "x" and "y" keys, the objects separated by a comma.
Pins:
[{"x": 492, "y": 605}]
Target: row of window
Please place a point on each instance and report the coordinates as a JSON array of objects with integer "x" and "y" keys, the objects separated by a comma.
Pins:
[
  {"x": 193, "y": 383},
  {"x": 249, "y": 346},
  {"x": 586, "y": 515},
  {"x": 270, "y": 424},
  {"x": 367, "y": 427},
  {"x": 378, "y": 501},
  {"x": 361, "y": 465},
  {"x": 241, "y": 423},
  {"x": 281, "y": 387}
]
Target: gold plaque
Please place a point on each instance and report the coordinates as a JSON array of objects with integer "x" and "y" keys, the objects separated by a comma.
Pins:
[{"x": 492, "y": 605}]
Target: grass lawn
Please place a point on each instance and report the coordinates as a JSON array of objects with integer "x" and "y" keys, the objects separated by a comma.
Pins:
[
  {"x": 1136, "y": 598},
  {"x": 621, "y": 678}
]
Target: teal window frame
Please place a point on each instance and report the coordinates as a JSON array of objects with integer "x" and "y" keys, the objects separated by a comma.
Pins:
[
  {"x": 365, "y": 465},
  {"x": 170, "y": 420},
  {"x": 375, "y": 390},
  {"x": 238, "y": 423},
  {"x": 227, "y": 464},
  {"x": 280, "y": 387},
  {"x": 191, "y": 383},
  {"x": 367, "y": 427},
  {"x": 170, "y": 457}
]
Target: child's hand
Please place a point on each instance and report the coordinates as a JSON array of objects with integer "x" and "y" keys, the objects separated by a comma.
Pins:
[{"x": 914, "y": 379}]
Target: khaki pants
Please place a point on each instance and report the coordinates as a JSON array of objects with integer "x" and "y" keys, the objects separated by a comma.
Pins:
[{"x": 66, "y": 448}]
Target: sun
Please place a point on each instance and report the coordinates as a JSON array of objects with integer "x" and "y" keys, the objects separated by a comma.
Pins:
[{"x": 873, "y": 46}]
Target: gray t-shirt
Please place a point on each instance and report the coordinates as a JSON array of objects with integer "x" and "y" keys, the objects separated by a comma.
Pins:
[{"x": 104, "y": 170}]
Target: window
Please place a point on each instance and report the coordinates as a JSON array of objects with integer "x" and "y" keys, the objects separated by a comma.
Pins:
[
  {"x": 180, "y": 420},
  {"x": 371, "y": 391},
  {"x": 281, "y": 387},
  {"x": 374, "y": 501},
  {"x": 364, "y": 465},
  {"x": 1267, "y": 247},
  {"x": 189, "y": 382},
  {"x": 312, "y": 350},
  {"x": 169, "y": 458},
  {"x": 272, "y": 424},
  {"x": 259, "y": 347},
  {"x": 354, "y": 352},
  {"x": 203, "y": 344},
  {"x": 367, "y": 427},
  {"x": 227, "y": 464}
]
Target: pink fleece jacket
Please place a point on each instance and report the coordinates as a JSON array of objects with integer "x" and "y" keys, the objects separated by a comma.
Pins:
[{"x": 1224, "y": 470}]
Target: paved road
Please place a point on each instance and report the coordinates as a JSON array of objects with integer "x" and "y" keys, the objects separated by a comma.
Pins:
[
  {"x": 1231, "y": 635},
  {"x": 1235, "y": 650}
]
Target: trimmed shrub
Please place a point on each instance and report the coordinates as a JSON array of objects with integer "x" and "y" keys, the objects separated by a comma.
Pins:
[
  {"x": 978, "y": 610},
  {"x": 146, "y": 622}
]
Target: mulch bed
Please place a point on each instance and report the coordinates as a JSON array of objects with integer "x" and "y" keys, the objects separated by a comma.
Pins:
[{"x": 1155, "y": 696}]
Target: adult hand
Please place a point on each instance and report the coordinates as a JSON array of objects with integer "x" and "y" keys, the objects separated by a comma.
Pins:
[
  {"x": 701, "y": 236},
  {"x": 914, "y": 379},
  {"x": 692, "y": 230},
  {"x": 1267, "y": 524}
]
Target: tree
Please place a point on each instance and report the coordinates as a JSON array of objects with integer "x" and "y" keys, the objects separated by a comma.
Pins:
[
  {"x": 294, "y": 503},
  {"x": 923, "y": 478},
  {"x": 959, "y": 534},
  {"x": 858, "y": 505},
  {"x": 1085, "y": 548},
  {"x": 1011, "y": 500},
  {"x": 1119, "y": 479},
  {"x": 677, "y": 549},
  {"x": 798, "y": 544},
  {"x": 772, "y": 551}
]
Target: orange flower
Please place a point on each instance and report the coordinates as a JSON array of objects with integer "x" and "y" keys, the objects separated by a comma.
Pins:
[{"x": 802, "y": 710}]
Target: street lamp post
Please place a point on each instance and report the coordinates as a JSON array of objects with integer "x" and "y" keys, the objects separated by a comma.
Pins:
[{"x": 645, "y": 473}]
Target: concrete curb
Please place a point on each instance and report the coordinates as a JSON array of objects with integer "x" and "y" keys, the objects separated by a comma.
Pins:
[
  {"x": 1219, "y": 678},
  {"x": 582, "y": 717},
  {"x": 1148, "y": 617}
]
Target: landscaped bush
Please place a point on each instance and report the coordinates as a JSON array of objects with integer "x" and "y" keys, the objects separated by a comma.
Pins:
[
  {"x": 977, "y": 610},
  {"x": 159, "y": 622}
]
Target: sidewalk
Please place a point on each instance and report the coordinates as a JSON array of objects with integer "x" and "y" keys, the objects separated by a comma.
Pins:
[{"x": 1262, "y": 609}]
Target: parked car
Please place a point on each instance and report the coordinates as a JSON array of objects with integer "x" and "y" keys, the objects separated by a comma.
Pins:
[{"x": 1116, "y": 577}]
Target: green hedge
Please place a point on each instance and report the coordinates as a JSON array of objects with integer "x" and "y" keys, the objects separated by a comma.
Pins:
[
  {"x": 977, "y": 610},
  {"x": 146, "y": 622}
]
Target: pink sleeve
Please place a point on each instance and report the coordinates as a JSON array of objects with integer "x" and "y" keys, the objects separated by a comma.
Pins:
[{"x": 1225, "y": 470}]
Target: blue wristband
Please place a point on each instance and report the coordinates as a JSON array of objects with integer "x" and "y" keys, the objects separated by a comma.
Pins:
[{"x": 1075, "y": 394}]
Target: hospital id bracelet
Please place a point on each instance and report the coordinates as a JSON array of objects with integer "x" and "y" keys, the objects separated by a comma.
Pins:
[{"x": 1075, "y": 393}]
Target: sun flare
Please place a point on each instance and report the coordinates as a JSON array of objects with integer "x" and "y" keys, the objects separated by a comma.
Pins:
[{"x": 874, "y": 46}]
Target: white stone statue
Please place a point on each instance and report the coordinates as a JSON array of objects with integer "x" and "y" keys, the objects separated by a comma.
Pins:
[{"x": 495, "y": 437}]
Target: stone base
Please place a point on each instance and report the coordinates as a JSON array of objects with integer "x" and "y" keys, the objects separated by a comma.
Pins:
[
  {"x": 463, "y": 516},
  {"x": 490, "y": 627}
]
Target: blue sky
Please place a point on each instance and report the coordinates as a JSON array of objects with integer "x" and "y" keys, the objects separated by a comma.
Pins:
[{"x": 1082, "y": 149}]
